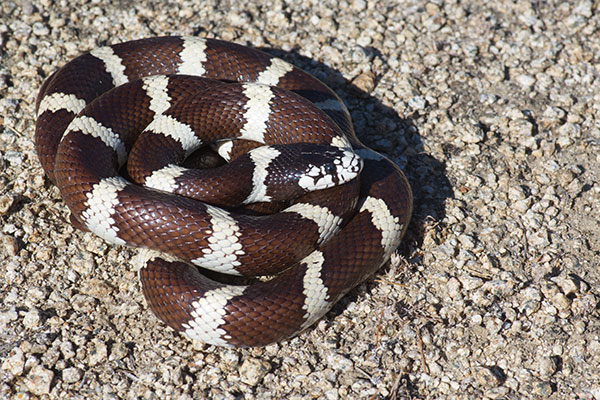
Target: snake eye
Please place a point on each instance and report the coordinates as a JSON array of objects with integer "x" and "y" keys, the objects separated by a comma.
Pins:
[{"x": 330, "y": 169}]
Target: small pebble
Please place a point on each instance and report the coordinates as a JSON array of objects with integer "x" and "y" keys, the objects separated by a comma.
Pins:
[
  {"x": 547, "y": 367},
  {"x": 526, "y": 80},
  {"x": 118, "y": 351},
  {"x": 487, "y": 377},
  {"x": 365, "y": 82},
  {"x": 98, "y": 354},
  {"x": 6, "y": 202},
  {"x": 417, "y": 103},
  {"x": 39, "y": 380},
  {"x": 252, "y": 371},
  {"x": 567, "y": 284},
  {"x": 542, "y": 389},
  {"x": 339, "y": 362},
  {"x": 10, "y": 244},
  {"x": 496, "y": 393},
  {"x": 15, "y": 362},
  {"x": 32, "y": 319},
  {"x": 72, "y": 375},
  {"x": 470, "y": 133}
]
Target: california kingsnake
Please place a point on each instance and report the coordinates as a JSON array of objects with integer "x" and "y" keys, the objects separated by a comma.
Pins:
[{"x": 318, "y": 246}]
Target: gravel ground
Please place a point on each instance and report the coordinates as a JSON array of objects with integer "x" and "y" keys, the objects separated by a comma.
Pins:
[{"x": 491, "y": 108}]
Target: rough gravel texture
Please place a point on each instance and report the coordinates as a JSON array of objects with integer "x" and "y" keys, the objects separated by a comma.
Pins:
[{"x": 491, "y": 108}]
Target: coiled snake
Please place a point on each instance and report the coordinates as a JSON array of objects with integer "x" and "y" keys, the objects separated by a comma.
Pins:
[{"x": 300, "y": 200}]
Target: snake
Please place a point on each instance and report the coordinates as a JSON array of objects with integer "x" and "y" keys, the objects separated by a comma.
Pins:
[{"x": 237, "y": 175}]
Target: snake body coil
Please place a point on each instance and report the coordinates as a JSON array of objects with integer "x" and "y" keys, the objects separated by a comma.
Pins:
[{"x": 116, "y": 130}]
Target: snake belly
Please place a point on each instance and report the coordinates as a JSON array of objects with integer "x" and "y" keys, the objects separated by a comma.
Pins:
[{"x": 114, "y": 128}]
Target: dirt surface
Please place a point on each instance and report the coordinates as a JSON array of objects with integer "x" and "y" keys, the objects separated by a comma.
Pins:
[{"x": 491, "y": 108}]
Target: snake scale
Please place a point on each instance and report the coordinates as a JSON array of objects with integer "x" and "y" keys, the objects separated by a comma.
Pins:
[{"x": 219, "y": 160}]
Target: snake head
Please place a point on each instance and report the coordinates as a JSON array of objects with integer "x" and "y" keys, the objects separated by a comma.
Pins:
[
  {"x": 328, "y": 166},
  {"x": 292, "y": 170}
]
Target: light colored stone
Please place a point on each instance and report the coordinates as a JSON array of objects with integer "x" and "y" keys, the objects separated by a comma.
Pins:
[
  {"x": 38, "y": 380},
  {"x": 15, "y": 362},
  {"x": 98, "y": 354},
  {"x": 253, "y": 370},
  {"x": 547, "y": 367},
  {"x": 72, "y": 374},
  {"x": 365, "y": 82},
  {"x": 31, "y": 319}
]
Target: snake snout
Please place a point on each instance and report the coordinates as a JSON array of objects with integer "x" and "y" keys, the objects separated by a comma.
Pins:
[{"x": 330, "y": 166}]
